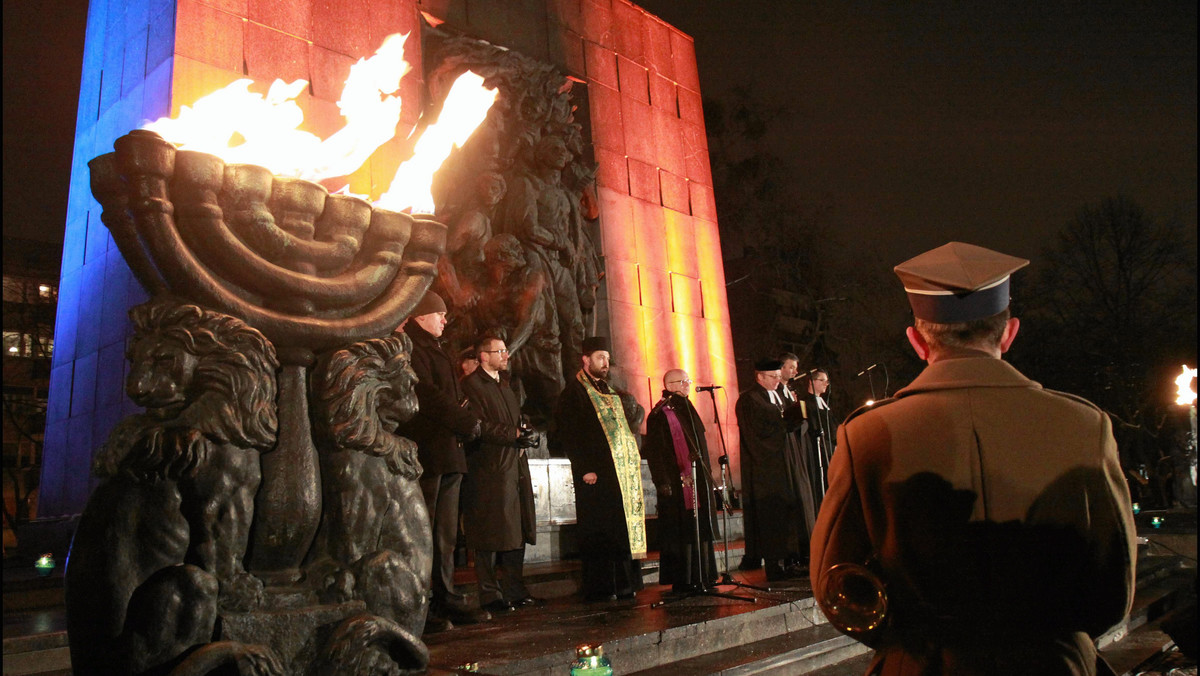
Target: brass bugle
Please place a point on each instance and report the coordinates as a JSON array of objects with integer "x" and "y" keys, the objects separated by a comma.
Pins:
[{"x": 853, "y": 598}]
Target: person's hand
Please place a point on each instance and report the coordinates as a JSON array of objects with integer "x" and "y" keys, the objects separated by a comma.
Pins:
[
  {"x": 590, "y": 478},
  {"x": 528, "y": 438},
  {"x": 665, "y": 490}
]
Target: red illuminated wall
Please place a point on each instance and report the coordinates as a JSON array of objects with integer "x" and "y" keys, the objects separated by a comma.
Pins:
[{"x": 665, "y": 305}]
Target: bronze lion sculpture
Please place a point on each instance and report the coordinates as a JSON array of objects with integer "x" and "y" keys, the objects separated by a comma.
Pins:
[
  {"x": 173, "y": 511},
  {"x": 374, "y": 542}
]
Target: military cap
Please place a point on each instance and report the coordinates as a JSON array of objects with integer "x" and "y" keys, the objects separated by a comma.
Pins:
[
  {"x": 429, "y": 304},
  {"x": 595, "y": 344},
  {"x": 768, "y": 365},
  {"x": 958, "y": 282}
]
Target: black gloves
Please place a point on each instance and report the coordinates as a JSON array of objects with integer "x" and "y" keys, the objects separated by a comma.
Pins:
[
  {"x": 528, "y": 438},
  {"x": 473, "y": 435}
]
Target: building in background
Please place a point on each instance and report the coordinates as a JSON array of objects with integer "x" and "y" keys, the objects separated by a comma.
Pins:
[{"x": 30, "y": 298}]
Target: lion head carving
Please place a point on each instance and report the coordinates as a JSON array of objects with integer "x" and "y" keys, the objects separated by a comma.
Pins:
[
  {"x": 203, "y": 377},
  {"x": 363, "y": 392}
]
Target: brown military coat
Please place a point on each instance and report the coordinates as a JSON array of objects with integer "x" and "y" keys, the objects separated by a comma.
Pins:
[{"x": 996, "y": 513}]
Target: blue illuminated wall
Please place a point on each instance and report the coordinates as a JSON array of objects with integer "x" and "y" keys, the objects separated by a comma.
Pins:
[{"x": 127, "y": 62}]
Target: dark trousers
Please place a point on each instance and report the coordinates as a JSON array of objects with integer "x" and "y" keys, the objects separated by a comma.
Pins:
[
  {"x": 510, "y": 587},
  {"x": 441, "y": 499}
]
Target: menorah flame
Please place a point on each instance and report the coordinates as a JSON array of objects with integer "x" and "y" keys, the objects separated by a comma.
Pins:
[
  {"x": 1186, "y": 395},
  {"x": 243, "y": 127}
]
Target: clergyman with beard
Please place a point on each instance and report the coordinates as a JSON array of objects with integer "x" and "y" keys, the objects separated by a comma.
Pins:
[{"x": 592, "y": 431}]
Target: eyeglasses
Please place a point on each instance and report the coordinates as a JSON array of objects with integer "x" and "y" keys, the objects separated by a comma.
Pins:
[
  {"x": 685, "y": 381},
  {"x": 821, "y": 380},
  {"x": 500, "y": 351}
]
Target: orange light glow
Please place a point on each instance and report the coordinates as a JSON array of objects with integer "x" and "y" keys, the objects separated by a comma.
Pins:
[
  {"x": 1186, "y": 395},
  {"x": 241, "y": 126}
]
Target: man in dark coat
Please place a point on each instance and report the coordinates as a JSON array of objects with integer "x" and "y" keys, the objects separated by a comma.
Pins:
[
  {"x": 774, "y": 481},
  {"x": 674, "y": 440},
  {"x": 994, "y": 510},
  {"x": 438, "y": 429},
  {"x": 590, "y": 428},
  {"x": 498, "y": 513},
  {"x": 818, "y": 437}
]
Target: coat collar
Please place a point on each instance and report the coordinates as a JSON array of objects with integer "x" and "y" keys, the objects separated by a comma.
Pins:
[
  {"x": 967, "y": 371},
  {"x": 420, "y": 335}
]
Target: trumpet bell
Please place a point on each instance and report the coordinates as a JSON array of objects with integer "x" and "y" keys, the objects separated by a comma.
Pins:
[{"x": 853, "y": 598}]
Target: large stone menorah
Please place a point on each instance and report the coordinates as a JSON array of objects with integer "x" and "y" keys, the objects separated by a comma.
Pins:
[{"x": 310, "y": 270}]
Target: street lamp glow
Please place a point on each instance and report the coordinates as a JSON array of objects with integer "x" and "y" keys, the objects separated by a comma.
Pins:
[{"x": 1186, "y": 395}]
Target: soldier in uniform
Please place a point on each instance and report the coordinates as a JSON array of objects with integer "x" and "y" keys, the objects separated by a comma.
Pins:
[{"x": 993, "y": 510}]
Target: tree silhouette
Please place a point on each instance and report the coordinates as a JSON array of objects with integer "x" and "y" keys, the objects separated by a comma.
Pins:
[{"x": 1111, "y": 316}]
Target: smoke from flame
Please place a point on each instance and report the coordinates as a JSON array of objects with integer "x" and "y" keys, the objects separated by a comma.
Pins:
[
  {"x": 1186, "y": 396},
  {"x": 241, "y": 126}
]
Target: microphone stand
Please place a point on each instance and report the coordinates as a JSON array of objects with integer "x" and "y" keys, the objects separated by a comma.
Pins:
[{"x": 701, "y": 588}]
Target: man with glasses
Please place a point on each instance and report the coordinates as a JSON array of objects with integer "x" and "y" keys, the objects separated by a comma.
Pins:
[
  {"x": 677, "y": 452},
  {"x": 498, "y": 510},
  {"x": 818, "y": 439},
  {"x": 775, "y": 484}
]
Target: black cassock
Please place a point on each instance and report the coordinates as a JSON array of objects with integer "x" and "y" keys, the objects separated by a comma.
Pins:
[
  {"x": 676, "y": 523},
  {"x": 775, "y": 485},
  {"x": 607, "y": 565}
]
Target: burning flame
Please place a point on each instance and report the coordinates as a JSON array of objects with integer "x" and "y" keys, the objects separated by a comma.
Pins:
[
  {"x": 1186, "y": 396},
  {"x": 466, "y": 106},
  {"x": 240, "y": 126}
]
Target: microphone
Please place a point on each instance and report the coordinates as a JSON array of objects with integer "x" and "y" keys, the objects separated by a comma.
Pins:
[
  {"x": 709, "y": 388},
  {"x": 856, "y": 375}
]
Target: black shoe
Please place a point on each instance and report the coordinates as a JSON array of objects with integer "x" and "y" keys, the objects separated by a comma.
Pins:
[
  {"x": 627, "y": 596},
  {"x": 435, "y": 624},
  {"x": 750, "y": 564},
  {"x": 466, "y": 614},
  {"x": 776, "y": 573},
  {"x": 599, "y": 598},
  {"x": 529, "y": 601},
  {"x": 498, "y": 607}
]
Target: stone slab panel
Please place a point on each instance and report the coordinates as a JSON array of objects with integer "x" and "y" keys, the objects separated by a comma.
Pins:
[
  {"x": 272, "y": 54},
  {"x": 643, "y": 181},
  {"x": 639, "y": 131},
  {"x": 633, "y": 78},
  {"x": 683, "y": 56},
  {"x": 600, "y": 64},
  {"x": 685, "y": 298},
  {"x": 617, "y": 229},
  {"x": 209, "y": 35},
  {"x": 703, "y": 202},
  {"x": 344, "y": 26},
  {"x": 625, "y": 322},
  {"x": 294, "y": 17},
  {"x": 674, "y": 190},
  {"x": 695, "y": 149},
  {"x": 662, "y": 94},
  {"x": 630, "y": 33},
  {"x": 669, "y": 141},
  {"x": 598, "y": 25},
  {"x": 608, "y": 129},
  {"x": 612, "y": 170},
  {"x": 657, "y": 42}
]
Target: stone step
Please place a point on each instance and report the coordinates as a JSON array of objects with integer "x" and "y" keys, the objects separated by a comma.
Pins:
[{"x": 821, "y": 650}]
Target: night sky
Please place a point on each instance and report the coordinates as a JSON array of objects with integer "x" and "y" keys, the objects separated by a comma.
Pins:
[{"x": 915, "y": 123}]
